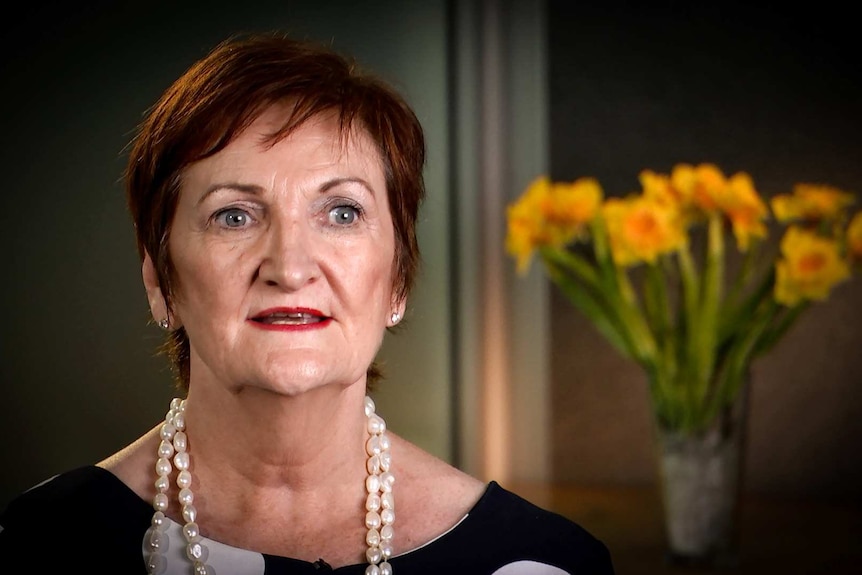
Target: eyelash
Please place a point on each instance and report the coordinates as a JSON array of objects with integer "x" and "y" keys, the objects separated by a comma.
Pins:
[
  {"x": 344, "y": 203},
  {"x": 217, "y": 217},
  {"x": 331, "y": 205}
]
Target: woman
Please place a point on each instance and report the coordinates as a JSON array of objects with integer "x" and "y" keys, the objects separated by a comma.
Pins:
[{"x": 274, "y": 191}]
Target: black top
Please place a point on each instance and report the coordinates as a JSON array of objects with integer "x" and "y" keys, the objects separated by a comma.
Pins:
[{"x": 87, "y": 519}]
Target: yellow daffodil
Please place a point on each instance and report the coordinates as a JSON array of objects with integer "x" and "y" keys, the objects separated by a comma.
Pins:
[
  {"x": 699, "y": 185},
  {"x": 658, "y": 187},
  {"x": 641, "y": 228},
  {"x": 811, "y": 202},
  {"x": 695, "y": 339},
  {"x": 571, "y": 206},
  {"x": 810, "y": 267},
  {"x": 550, "y": 214},
  {"x": 744, "y": 208}
]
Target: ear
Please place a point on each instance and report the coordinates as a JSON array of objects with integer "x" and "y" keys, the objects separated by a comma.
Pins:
[{"x": 155, "y": 297}]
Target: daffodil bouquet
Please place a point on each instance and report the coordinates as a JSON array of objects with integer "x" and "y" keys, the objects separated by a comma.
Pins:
[{"x": 679, "y": 276}]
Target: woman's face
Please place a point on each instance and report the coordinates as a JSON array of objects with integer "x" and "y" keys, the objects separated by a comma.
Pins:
[{"x": 283, "y": 259}]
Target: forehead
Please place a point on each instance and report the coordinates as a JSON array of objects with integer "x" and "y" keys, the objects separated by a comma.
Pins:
[
  {"x": 322, "y": 135},
  {"x": 318, "y": 145}
]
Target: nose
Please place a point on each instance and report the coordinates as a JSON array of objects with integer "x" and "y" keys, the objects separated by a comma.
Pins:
[{"x": 288, "y": 260}]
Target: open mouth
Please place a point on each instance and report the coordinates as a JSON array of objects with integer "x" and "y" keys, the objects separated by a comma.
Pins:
[
  {"x": 300, "y": 318},
  {"x": 290, "y": 317}
]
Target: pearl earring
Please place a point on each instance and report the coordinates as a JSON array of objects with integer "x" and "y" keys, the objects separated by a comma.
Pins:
[
  {"x": 164, "y": 323},
  {"x": 395, "y": 317}
]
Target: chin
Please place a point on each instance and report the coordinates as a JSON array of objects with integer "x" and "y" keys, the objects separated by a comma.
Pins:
[{"x": 292, "y": 381}]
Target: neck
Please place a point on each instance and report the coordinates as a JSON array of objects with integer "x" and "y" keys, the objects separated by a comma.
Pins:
[
  {"x": 310, "y": 441},
  {"x": 277, "y": 478}
]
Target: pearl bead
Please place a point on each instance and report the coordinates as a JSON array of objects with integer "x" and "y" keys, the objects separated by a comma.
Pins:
[
  {"x": 181, "y": 460},
  {"x": 180, "y": 441},
  {"x": 386, "y": 481},
  {"x": 385, "y": 568},
  {"x": 387, "y": 533},
  {"x": 162, "y": 484},
  {"x": 383, "y": 439},
  {"x": 160, "y": 502},
  {"x": 156, "y": 564},
  {"x": 372, "y": 446},
  {"x": 373, "y": 555},
  {"x": 373, "y": 464},
  {"x": 376, "y": 425},
  {"x": 190, "y": 513},
  {"x": 372, "y": 570},
  {"x": 386, "y": 549},
  {"x": 163, "y": 466},
  {"x": 185, "y": 496},
  {"x": 176, "y": 403},
  {"x": 373, "y": 520},
  {"x": 191, "y": 532},
  {"x": 372, "y": 538},
  {"x": 167, "y": 431},
  {"x": 166, "y": 450},
  {"x": 184, "y": 479},
  {"x": 196, "y": 551},
  {"x": 387, "y": 500},
  {"x": 159, "y": 521},
  {"x": 372, "y": 483},
  {"x": 373, "y": 502},
  {"x": 387, "y": 517},
  {"x": 155, "y": 540}
]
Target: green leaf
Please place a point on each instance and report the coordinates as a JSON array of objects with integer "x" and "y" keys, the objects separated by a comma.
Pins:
[{"x": 590, "y": 303}]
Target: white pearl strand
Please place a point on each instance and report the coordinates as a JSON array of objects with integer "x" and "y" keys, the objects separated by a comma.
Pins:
[{"x": 379, "y": 504}]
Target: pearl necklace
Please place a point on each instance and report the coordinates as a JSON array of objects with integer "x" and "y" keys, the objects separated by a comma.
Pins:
[{"x": 379, "y": 503}]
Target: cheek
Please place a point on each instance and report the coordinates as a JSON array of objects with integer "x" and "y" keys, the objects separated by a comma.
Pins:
[
  {"x": 366, "y": 282},
  {"x": 207, "y": 276}
]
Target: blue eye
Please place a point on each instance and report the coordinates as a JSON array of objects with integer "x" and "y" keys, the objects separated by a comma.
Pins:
[
  {"x": 233, "y": 218},
  {"x": 343, "y": 215}
]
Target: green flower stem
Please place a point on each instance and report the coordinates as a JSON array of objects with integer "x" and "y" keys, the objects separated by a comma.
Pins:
[
  {"x": 743, "y": 277},
  {"x": 617, "y": 288},
  {"x": 734, "y": 318},
  {"x": 713, "y": 278},
  {"x": 578, "y": 282},
  {"x": 739, "y": 359},
  {"x": 576, "y": 264},
  {"x": 634, "y": 320},
  {"x": 660, "y": 318},
  {"x": 690, "y": 279}
]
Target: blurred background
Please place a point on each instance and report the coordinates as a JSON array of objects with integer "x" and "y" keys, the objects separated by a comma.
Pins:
[{"x": 494, "y": 373}]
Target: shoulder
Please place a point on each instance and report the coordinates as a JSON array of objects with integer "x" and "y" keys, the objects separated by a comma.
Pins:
[
  {"x": 87, "y": 499},
  {"x": 61, "y": 493},
  {"x": 431, "y": 494},
  {"x": 446, "y": 516},
  {"x": 513, "y": 535}
]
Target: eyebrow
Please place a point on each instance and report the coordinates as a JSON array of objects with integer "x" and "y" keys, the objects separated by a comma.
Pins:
[
  {"x": 245, "y": 188},
  {"x": 255, "y": 190},
  {"x": 338, "y": 181}
]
